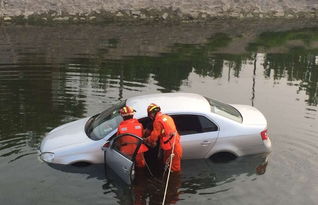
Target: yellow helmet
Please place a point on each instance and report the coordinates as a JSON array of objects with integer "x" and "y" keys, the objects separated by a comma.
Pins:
[
  {"x": 153, "y": 108},
  {"x": 127, "y": 111}
]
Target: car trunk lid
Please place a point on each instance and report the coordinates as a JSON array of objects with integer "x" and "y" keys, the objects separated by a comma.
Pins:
[{"x": 251, "y": 115}]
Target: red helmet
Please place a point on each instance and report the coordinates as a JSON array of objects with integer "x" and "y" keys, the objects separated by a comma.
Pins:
[
  {"x": 153, "y": 108},
  {"x": 127, "y": 111}
]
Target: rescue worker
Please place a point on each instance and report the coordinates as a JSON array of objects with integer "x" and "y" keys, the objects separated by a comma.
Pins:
[
  {"x": 128, "y": 144},
  {"x": 165, "y": 131}
]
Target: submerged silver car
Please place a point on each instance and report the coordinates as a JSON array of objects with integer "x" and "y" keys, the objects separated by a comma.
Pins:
[{"x": 207, "y": 128}]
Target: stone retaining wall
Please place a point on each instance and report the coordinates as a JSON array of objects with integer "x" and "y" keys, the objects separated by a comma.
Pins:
[{"x": 97, "y": 10}]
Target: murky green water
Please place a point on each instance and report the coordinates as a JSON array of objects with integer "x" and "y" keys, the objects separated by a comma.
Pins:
[{"x": 53, "y": 75}]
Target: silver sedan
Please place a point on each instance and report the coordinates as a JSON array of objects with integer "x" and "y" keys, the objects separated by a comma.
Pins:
[{"x": 208, "y": 128}]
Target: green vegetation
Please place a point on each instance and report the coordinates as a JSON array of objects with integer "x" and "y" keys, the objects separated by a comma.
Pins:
[
  {"x": 299, "y": 63},
  {"x": 171, "y": 69},
  {"x": 275, "y": 39}
]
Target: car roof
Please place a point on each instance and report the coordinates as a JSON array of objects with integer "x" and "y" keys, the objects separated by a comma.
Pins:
[{"x": 169, "y": 103}]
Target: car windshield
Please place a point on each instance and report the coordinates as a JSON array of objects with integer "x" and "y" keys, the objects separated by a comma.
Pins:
[
  {"x": 225, "y": 110},
  {"x": 104, "y": 123}
]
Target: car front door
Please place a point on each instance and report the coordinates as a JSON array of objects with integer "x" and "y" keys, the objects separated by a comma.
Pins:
[
  {"x": 120, "y": 156},
  {"x": 198, "y": 135}
]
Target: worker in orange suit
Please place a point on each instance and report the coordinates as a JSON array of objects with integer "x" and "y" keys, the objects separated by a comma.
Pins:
[
  {"x": 165, "y": 131},
  {"x": 128, "y": 144}
]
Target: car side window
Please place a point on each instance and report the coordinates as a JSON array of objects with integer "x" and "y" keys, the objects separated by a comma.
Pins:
[
  {"x": 187, "y": 124},
  {"x": 193, "y": 124},
  {"x": 207, "y": 125}
]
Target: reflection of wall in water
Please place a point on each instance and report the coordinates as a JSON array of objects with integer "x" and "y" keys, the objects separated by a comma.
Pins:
[{"x": 160, "y": 54}]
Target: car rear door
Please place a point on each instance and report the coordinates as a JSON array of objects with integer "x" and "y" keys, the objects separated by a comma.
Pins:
[
  {"x": 122, "y": 163},
  {"x": 198, "y": 134}
]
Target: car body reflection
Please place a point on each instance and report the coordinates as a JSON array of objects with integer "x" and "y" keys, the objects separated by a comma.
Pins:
[{"x": 196, "y": 176}]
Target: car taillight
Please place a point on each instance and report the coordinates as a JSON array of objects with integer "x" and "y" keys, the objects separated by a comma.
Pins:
[{"x": 264, "y": 135}]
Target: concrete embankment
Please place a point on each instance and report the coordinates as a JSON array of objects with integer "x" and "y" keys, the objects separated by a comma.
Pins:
[{"x": 153, "y": 10}]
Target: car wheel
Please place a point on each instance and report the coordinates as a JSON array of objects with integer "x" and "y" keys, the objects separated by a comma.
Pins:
[
  {"x": 81, "y": 164},
  {"x": 223, "y": 157}
]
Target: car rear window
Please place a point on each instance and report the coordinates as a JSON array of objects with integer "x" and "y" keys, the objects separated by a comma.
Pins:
[{"x": 225, "y": 110}]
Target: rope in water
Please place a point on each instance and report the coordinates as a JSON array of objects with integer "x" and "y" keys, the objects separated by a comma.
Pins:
[{"x": 168, "y": 177}]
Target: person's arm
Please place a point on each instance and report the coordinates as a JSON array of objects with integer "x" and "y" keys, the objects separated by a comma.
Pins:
[
  {"x": 154, "y": 135},
  {"x": 147, "y": 129},
  {"x": 146, "y": 133}
]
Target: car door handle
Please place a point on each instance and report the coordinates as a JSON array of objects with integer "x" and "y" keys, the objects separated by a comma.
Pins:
[{"x": 205, "y": 143}]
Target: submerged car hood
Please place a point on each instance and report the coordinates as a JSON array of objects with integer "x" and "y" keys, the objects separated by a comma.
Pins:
[
  {"x": 66, "y": 135},
  {"x": 251, "y": 115}
]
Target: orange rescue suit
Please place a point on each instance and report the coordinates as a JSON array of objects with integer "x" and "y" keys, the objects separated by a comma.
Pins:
[
  {"x": 165, "y": 130},
  {"x": 128, "y": 143}
]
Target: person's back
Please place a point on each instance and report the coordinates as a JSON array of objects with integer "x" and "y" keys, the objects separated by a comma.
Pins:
[
  {"x": 170, "y": 135},
  {"x": 165, "y": 130},
  {"x": 128, "y": 144}
]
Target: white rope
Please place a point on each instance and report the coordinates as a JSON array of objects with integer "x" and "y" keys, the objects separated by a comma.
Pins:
[{"x": 168, "y": 177}]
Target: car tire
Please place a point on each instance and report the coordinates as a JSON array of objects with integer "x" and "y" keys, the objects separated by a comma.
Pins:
[{"x": 223, "y": 157}]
